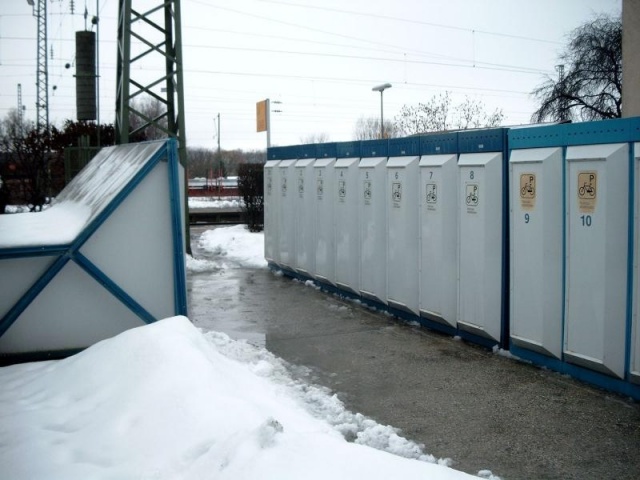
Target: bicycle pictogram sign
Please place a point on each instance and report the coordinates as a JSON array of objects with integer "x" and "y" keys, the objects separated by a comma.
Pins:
[
  {"x": 396, "y": 191},
  {"x": 472, "y": 198},
  {"x": 432, "y": 193}
]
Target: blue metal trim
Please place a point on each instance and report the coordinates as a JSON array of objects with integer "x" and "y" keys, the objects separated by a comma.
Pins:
[
  {"x": 619, "y": 130},
  {"x": 21, "y": 305},
  {"x": 400, "y": 147},
  {"x": 537, "y": 137},
  {"x": 477, "y": 141},
  {"x": 326, "y": 150},
  {"x": 348, "y": 149},
  {"x": 505, "y": 313},
  {"x": 41, "y": 251},
  {"x": 97, "y": 274},
  {"x": 584, "y": 375},
  {"x": 437, "y": 326},
  {"x": 179, "y": 268},
  {"x": 564, "y": 248},
  {"x": 307, "y": 151},
  {"x": 489, "y": 343},
  {"x": 630, "y": 259},
  {"x": 374, "y": 148},
  {"x": 439, "y": 143}
]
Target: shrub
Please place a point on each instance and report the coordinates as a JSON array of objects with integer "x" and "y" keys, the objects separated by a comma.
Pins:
[{"x": 251, "y": 187}]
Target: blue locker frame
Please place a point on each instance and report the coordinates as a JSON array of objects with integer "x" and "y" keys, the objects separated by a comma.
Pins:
[{"x": 587, "y": 133}]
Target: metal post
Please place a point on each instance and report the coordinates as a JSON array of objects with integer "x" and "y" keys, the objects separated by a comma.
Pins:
[
  {"x": 268, "y": 107},
  {"x": 381, "y": 114},
  {"x": 381, "y": 89}
]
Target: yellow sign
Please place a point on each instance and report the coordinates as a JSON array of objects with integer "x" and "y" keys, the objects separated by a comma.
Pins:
[
  {"x": 587, "y": 191},
  {"x": 528, "y": 191},
  {"x": 261, "y": 116}
]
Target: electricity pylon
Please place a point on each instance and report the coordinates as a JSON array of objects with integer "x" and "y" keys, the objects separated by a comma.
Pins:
[{"x": 158, "y": 34}]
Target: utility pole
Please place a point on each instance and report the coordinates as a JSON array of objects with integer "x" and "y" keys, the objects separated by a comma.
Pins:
[
  {"x": 42, "y": 69},
  {"x": 20, "y": 106},
  {"x": 563, "y": 101},
  {"x": 219, "y": 160}
]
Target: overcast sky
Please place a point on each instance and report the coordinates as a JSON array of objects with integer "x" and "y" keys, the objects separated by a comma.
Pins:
[{"x": 320, "y": 58}]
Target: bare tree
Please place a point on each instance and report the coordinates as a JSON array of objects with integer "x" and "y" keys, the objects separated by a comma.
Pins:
[
  {"x": 439, "y": 114},
  {"x": 368, "y": 128},
  {"x": 145, "y": 109},
  {"x": 472, "y": 114},
  {"x": 589, "y": 84},
  {"x": 28, "y": 148},
  {"x": 315, "y": 138}
]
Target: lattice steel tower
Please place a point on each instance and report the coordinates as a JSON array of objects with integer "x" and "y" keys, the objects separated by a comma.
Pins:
[
  {"x": 42, "y": 71},
  {"x": 158, "y": 37}
]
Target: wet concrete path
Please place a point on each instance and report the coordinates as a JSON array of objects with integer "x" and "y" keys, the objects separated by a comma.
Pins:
[{"x": 480, "y": 409}]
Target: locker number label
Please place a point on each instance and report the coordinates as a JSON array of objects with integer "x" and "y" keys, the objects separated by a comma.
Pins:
[
  {"x": 396, "y": 194},
  {"x": 587, "y": 191},
  {"x": 367, "y": 192},
  {"x": 528, "y": 191}
]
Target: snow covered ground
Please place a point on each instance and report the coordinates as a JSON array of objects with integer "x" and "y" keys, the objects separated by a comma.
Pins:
[
  {"x": 214, "y": 202},
  {"x": 167, "y": 401}
]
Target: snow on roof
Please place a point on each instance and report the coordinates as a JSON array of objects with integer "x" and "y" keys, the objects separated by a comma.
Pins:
[
  {"x": 163, "y": 401},
  {"x": 81, "y": 201}
]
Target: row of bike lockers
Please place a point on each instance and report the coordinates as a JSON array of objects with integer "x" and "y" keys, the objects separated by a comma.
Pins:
[{"x": 522, "y": 237}]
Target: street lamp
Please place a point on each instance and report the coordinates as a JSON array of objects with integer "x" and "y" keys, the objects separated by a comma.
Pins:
[{"x": 381, "y": 89}]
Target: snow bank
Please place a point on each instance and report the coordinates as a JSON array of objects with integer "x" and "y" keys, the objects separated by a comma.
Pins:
[
  {"x": 235, "y": 245},
  {"x": 162, "y": 402}
]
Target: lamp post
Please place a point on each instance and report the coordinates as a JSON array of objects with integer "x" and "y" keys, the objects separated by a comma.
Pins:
[{"x": 381, "y": 89}]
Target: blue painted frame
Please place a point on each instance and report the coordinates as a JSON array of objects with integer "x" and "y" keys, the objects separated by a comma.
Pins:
[{"x": 71, "y": 252}]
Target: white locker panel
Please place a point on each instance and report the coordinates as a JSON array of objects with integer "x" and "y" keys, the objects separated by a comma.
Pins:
[
  {"x": 596, "y": 256},
  {"x": 536, "y": 250},
  {"x": 480, "y": 244},
  {"x": 305, "y": 222},
  {"x": 439, "y": 238},
  {"x": 287, "y": 238},
  {"x": 345, "y": 202},
  {"x": 402, "y": 233},
  {"x": 634, "y": 368},
  {"x": 325, "y": 234},
  {"x": 373, "y": 228},
  {"x": 271, "y": 211}
]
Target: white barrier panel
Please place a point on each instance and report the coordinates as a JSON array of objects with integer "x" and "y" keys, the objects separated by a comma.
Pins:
[
  {"x": 346, "y": 224},
  {"x": 634, "y": 368},
  {"x": 325, "y": 234},
  {"x": 402, "y": 233},
  {"x": 271, "y": 210},
  {"x": 305, "y": 223},
  {"x": 372, "y": 175},
  {"x": 596, "y": 262},
  {"x": 108, "y": 255},
  {"x": 480, "y": 194},
  {"x": 536, "y": 250},
  {"x": 287, "y": 212},
  {"x": 439, "y": 238}
]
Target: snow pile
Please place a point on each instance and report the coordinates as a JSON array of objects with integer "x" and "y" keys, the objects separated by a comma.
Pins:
[
  {"x": 210, "y": 202},
  {"x": 58, "y": 225},
  {"x": 162, "y": 402},
  {"x": 235, "y": 245},
  {"x": 320, "y": 401}
]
